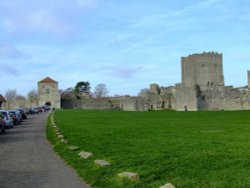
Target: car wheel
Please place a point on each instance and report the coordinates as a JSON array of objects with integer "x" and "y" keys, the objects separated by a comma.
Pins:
[{"x": 3, "y": 129}]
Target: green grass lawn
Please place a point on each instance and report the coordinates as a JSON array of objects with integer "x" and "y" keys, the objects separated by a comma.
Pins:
[{"x": 187, "y": 149}]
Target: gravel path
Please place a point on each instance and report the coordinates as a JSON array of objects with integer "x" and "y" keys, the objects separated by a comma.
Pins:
[{"x": 28, "y": 161}]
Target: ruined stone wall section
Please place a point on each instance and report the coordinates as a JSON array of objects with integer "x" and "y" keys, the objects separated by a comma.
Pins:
[
  {"x": 204, "y": 69},
  {"x": 224, "y": 98},
  {"x": 154, "y": 88},
  {"x": 97, "y": 104},
  {"x": 168, "y": 95},
  {"x": 186, "y": 97},
  {"x": 134, "y": 104}
]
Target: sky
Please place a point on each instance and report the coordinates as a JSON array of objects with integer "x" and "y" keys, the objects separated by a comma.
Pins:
[{"x": 126, "y": 45}]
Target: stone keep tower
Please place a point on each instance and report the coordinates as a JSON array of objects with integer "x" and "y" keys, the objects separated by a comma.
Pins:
[
  {"x": 204, "y": 69},
  {"x": 48, "y": 93}
]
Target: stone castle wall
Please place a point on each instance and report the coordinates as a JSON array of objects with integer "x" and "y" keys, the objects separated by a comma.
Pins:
[
  {"x": 112, "y": 103},
  {"x": 224, "y": 98},
  {"x": 202, "y": 88},
  {"x": 186, "y": 98}
]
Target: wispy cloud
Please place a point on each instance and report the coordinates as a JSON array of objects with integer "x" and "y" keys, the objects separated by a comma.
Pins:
[
  {"x": 43, "y": 17},
  {"x": 123, "y": 72},
  {"x": 142, "y": 42},
  {"x": 196, "y": 7},
  {"x": 9, "y": 51},
  {"x": 7, "y": 69},
  {"x": 37, "y": 21}
]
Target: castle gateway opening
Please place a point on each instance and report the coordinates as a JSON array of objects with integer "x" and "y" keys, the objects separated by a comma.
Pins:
[{"x": 48, "y": 103}]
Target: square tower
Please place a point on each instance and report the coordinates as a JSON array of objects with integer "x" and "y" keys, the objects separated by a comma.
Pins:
[
  {"x": 204, "y": 69},
  {"x": 48, "y": 93}
]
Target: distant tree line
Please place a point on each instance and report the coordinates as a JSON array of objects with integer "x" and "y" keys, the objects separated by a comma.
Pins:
[{"x": 82, "y": 89}]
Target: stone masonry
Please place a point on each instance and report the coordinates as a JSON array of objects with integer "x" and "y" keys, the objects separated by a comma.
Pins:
[
  {"x": 48, "y": 93},
  {"x": 202, "y": 88}
]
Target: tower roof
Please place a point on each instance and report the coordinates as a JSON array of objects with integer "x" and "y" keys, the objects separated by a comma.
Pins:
[{"x": 47, "y": 80}]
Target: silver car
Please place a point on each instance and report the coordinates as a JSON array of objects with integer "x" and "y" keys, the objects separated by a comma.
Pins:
[
  {"x": 16, "y": 116},
  {"x": 7, "y": 118}
]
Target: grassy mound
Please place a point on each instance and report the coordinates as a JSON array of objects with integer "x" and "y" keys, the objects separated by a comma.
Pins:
[{"x": 188, "y": 149}]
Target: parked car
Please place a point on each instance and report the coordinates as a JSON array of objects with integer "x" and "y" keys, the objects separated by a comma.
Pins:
[
  {"x": 46, "y": 108},
  {"x": 2, "y": 123},
  {"x": 23, "y": 113},
  {"x": 40, "y": 109},
  {"x": 15, "y": 116},
  {"x": 33, "y": 111},
  {"x": 7, "y": 118}
]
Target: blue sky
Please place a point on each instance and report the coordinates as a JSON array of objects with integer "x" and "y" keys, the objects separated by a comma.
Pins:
[{"x": 124, "y": 44}]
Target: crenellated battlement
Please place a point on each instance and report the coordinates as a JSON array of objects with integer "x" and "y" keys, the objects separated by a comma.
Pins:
[{"x": 205, "y": 56}]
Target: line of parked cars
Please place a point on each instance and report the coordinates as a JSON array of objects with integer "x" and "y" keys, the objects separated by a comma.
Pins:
[
  {"x": 39, "y": 109},
  {"x": 9, "y": 118}
]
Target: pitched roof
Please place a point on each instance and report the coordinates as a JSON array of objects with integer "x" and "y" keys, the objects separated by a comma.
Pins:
[
  {"x": 2, "y": 99},
  {"x": 47, "y": 80}
]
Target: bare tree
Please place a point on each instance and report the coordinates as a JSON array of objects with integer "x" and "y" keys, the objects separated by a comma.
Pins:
[
  {"x": 32, "y": 97},
  {"x": 21, "y": 101},
  {"x": 20, "y": 97},
  {"x": 10, "y": 97},
  {"x": 100, "y": 91}
]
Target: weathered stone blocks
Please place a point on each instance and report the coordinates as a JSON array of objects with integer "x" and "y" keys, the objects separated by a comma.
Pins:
[
  {"x": 85, "y": 154},
  {"x": 129, "y": 175},
  {"x": 64, "y": 141},
  {"x": 102, "y": 163},
  {"x": 73, "y": 148},
  {"x": 60, "y": 136},
  {"x": 168, "y": 185}
]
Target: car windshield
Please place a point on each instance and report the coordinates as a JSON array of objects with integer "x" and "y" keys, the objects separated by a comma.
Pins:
[{"x": 5, "y": 114}]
